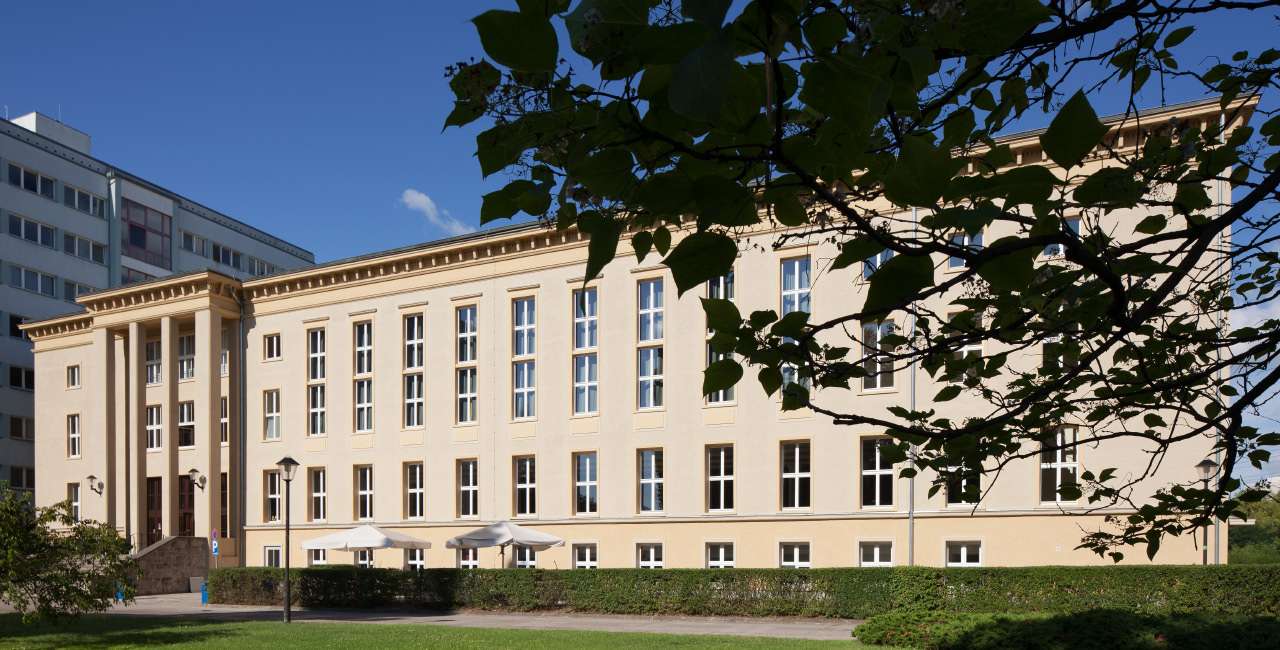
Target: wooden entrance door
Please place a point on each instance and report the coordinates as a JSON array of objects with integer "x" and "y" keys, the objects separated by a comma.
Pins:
[
  {"x": 155, "y": 509},
  {"x": 186, "y": 507}
]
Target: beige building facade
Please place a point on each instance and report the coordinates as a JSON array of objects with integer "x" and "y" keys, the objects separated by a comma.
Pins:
[{"x": 442, "y": 387}]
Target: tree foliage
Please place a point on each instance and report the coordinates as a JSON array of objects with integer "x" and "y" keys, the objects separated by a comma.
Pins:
[
  {"x": 53, "y": 565},
  {"x": 876, "y": 125}
]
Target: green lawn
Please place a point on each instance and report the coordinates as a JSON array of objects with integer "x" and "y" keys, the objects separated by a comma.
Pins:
[{"x": 103, "y": 632}]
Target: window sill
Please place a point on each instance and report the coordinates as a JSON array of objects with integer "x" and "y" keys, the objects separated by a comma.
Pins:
[
  {"x": 465, "y": 425},
  {"x": 877, "y": 391},
  {"x": 719, "y": 405},
  {"x": 274, "y": 359},
  {"x": 271, "y": 440},
  {"x": 583, "y": 416}
]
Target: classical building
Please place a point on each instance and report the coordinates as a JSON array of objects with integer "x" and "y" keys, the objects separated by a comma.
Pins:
[
  {"x": 438, "y": 388},
  {"x": 78, "y": 225}
]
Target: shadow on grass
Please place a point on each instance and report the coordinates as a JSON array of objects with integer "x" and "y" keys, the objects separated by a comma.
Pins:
[
  {"x": 1122, "y": 630},
  {"x": 98, "y": 631}
]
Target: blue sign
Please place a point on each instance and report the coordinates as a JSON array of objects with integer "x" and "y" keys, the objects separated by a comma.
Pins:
[
  {"x": 215, "y": 547},
  {"x": 215, "y": 533}
]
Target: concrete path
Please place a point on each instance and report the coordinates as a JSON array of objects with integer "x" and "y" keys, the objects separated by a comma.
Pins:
[{"x": 188, "y": 606}]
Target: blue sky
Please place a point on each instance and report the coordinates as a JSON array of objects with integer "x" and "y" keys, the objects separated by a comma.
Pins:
[{"x": 317, "y": 122}]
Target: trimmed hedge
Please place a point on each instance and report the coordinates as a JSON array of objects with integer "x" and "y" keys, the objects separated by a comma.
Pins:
[{"x": 827, "y": 593}]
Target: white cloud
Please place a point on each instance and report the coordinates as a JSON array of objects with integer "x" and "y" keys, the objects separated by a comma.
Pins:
[{"x": 415, "y": 200}]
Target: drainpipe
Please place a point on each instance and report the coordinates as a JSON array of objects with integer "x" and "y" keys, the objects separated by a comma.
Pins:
[
  {"x": 911, "y": 489},
  {"x": 241, "y": 388},
  {"x": 1222, "y": 246}
]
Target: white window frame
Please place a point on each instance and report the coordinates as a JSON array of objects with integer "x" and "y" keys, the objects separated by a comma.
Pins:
[
  {"x": 73, "y": 495},
  {"x": 650, "y": 381},
  {"x": 72, "y": 290},
  {"x": 524, "y": 558},
  {"x": 955, "y": 487},
  {"x": 586, "y": 383},
  {"x": 468, "y": 558},
  {"x": 965, "y": 240},
  {"x": 316, "y": 373},
  {"x": 586, "y": 368},
  {"x": 526, "y": 482},
  {"x": 966, "y": 349},
  {"x": 969, "y": 556},
  {"x": 273, "y": 508},
  {"x": 719, "y": 555},
  {"x": 73, "y": 435},
  {"x": 877, "y": 471},
  {"x": 224, "y": 356},
  {"x": 41, "y": 181},
  {"x": 1061, "y": 465},
  {"x": 1070, "y": 225},
  {"x": 318, "y": 483},
  {"x": 415, "y": 559},
  {"x": 795, "y": 555},
  {"x": 586, "y": 483},
  {"x": 466, "y": 362},
  {"x": 524, "y": 342},
  {"x": 364, "y": 493},
  {"x": 797, "y": 285},
  {"x": 271, "y": 414},
  {"x": 468, "y": 334},
  {"x": 878, "y": 558},
  {"x": 271, "y": 350},
  {"x": 873, "y": 263},
  {"x": 155, "y": 428},
  {"x": 720, "y": 484},
  {"x": 468, "y": 395},
  {"x": 316, "y": 355},
  {"x": 363, "y": 391},
  {"x": 414, "y": 491},
  {"x": 72, "y": 196},
  {"x": 362, "y": 338},
  {"x": 413, "y": 402},
  {"x": 413, "y": 342},
  {"x": 525, "y": 390},
  {"x": 468, "y": 473},
  {"x": 797, "y": 475},
  {"x": 186, "y": 357},
  {"x": 155, "y": 362},
  {"x": 586, "y": 319},
  {"x": 192, "y": 243},
  {"x": 186, "y": 421},
  {"x": 317, "y": 557},
  {"x": 649, "y": 556},
  {"x": 73, "y": 376},
  {"x": 272, "y": 556},
  {"x": 83, "y": 248},
  {"x": 224, "y": 424},
  {"x": 364, "y": 558},
  {"x": 586, "y": 556},
  {"x": 651, "y": 471},
  {"x": 650, "y": 310},
  {"x": 880, "y": 368},
  {"x": 719, "y": 397}
]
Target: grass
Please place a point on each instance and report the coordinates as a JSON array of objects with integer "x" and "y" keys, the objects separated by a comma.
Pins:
[{"x": 108, "y": 632}]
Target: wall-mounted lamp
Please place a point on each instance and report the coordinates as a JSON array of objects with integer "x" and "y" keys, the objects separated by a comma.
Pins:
[
  {"x": 196, "y": 479},
  {"x": 94, "y": 484}
]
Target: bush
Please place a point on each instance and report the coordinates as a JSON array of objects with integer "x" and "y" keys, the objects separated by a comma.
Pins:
[{"x": 246, "y": 585}]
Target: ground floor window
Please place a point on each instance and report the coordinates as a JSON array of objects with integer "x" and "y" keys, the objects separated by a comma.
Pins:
[
  {"x": 525, "y": 558},
  {"x": 585, "y": 556},
  {"x": 468, "y": 558},
  {"x": 964, "y": 553},
  {"x": 875, "y": 554},
  {"x": 649, "y": 556},
  {"x": 794, "y": 556},
  {"x": 415, "y": 559},
  {"x": 271, "y": 556},
  {"x": 318, "y": 557},
  {"x": 364, "y": 559},
  {"x": 719, "y": 556}
]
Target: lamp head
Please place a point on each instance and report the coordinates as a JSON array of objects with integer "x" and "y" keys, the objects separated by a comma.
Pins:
[
  {"x": 1207, "y": 468},
  {"x": 287, "y": 465}
]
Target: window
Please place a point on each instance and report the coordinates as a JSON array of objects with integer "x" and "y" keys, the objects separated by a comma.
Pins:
[
  {"x": 30, "y": 181},
  {"x": 468, "y": 558},
  {"x": 878, "y": 365},
  {"x": 1058, "y": 465},
  {"x": 525, "y": 390},
  {"x": 317, "y": 557},
  {"x": 796, "y": 476},
  {"x": 1072, "y": 228},
  {"x": 83, "y": 201},
  {"x": 967, "y": 349},
  {"x": 271, "y": 347},
  {"x": 964, "y": 240},
  {"x": 721, "y": 396},
  {"x": 364, "y": 405},
  {"x": 145, "y": 234},
  {"x": 874, "y": 262},
  {"x": 364, "y": 559},
  {"x": 224, "y": 356},
  {"x": 363, "y": 386},
  {"x": 22, "y": 479},
  {"x": 271, "y": 414},
  {"x": 319, "y": 496},
  {"x": 796, "y": 282},
  {"x": 719, "y": 478},
  {"x": 415, "y": 559},
  {"x": 526, "y": 486},
  {"x": 875, "y": 554},
  {"x": 83, "y": 248},
  {"x": 413, "y": 342},
  {"x": 129, "y": 276},
  {"x": 31, "y": 280},
  {"x": 468, "y": 488},
  {"x": 585, "y": 377},
  {"x": 414, "y": 491},
  {"x": 719, "y": 556},
  {"x": 525, "y": 558},
  {"x": 15, "y": 327},
  {"x": 72, "y": 290},
  {"x": 227, "y": 256},
  {"x": 466, "y": 360},
  {"x": 271, "y": 556},
  {"x": 413, "y": 381},
  {"x": 651, "y": 306},
  {"x": 650, "y": 378},
  {"x": 413, "y": 400},
  {"x": 73, "y": 436},
  {"x": 364, "y": 493},
  {"x": 22, "y": 378},
  {"x": 224, "y": 496},
  {"x": 363, "y": 334},
  {"x": 1059, "y": 351},
  {"x": 962, "y": 480},
  {"x": 794, "y": 556},
  {"x": 585, "y": 484},
  {"x": 523, "y": 324},
  {"x": 193, "y": 243},
  {"x": 187, "y": 357},
  {"x": 258, "y": 267},
  {"x": 73, "y": 495},
  {"x": 720, "y": 288},
  {"x": 272, "y": 512},
  {"x": 964, "y": 553},
  {"x": 524, "y": 345},
  {"x": 650, "y": 480},
  {"x": 154, "y": 359},
  {"x": 877, "y": 474},
  {"x": 73, "y": 376},
  {"x": 186, "y": 424},
  {"x": 585, "y": 556},
  {"x": 315, "y": 382},
  {"x": 32, "y": 231},
  {"x": 155, "y": 428},
  {"x": 650, "y": 363},
  {"x": 22, "y": 428},
  {"x": 224, "y": 425},
  {"x": 649, "y": 556}
]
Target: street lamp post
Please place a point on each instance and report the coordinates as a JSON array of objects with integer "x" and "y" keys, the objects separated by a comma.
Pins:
[
  {"x": 287, "y": 465},
  {"x": 1207, "y": 468}
]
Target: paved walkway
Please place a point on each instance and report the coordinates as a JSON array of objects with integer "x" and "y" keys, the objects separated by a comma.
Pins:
[{"x": 188, "y": 606}]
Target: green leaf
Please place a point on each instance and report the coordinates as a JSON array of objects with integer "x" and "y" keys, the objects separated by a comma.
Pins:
[
  {"x": 1012, "y": 271},
  {"x": 1177, "y": 36},
  {"x": 895, "y": 280},
  {"x": 603, "y": 246},
  {"x": 947, "y": 394},
  {"x": 642, "y": 242},
  {"x": 662, "y": 239},
  {"x": 708, "y": 12},
  {"x": 770, "y": 379},
  {"x": 824, "y": 30},
  {"x": 921, "y": 174},
  {"x": 1110, "y": 186},
  {"x": 606, "y": 173},
  {"x": 1073, "y": 133},
  {"x": 856, "y": 250},
  {"x": 722, "y": 315},
  {"x": 759, "y": 319},
  {"x": 721, "y": 375},
  {"x": 524, "y": 42},
  {"x": 791, "y": 326},
  {"x": 700, "y": 83},
  {"x": 700, "y": 257},
  {"x": 501, "y": 204},
  {"x": 1151, "y": 225},
  {"x": 465, "y": 112}
]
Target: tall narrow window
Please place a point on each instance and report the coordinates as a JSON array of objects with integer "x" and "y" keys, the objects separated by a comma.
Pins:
[
  {"x": 719, "y": 556},
  {"x": 649, "y": 556},
  {"x": 319, "y": 495},
  {"x": 524, "y": 346},
  {"x": 73, "y": 376},
  {"x": 962, "y": 483},
  {"x": 724, "y": 396},
  {"x": 413, "y": 376},
  {"x": 650, "y": 461},
  {"x": 73, "y": 495},
  {"x": 585, "y": 483},
  {"x": 873, "y": 263},
  {"x": 363, "y": 383},
  {"x": 271, "y": 347},
  {"x": 585, "y": 342},
  {"x": 796, "y": 284},
  {"x": 651, "y": 308},
  {"x": 414, "y": 491},
  {"x": 73, "y": 435},
  {"x": 796, "y": 476},
  {"x": 154, "y": 360},
  {"x": 271, "y": 414},
  {"x": 466, "y": 365},
  {"x": 272, "y": 510},
  {"x": 1058, "y": 465},
  {"x": 968, "y": 349},
  {"x": 650, "y": 378},
  {"x": 972, "y": 242},
  {"x": 719, "y": 478},
  {"x": 364, "y": 405},
  {"x": 224, "y": 354},
  {"x": 224, "y": 496},
  {"x": 794, "y": 556},
  {"x": 186, "y": 424},
  {"x": 363, "y": 335},
  {"x": 468, "y": 488},
  {"x": 224, "y": 425},
  {"x": 155, "y": 428},
  {"x": 526, "y": 486},
  {"x": 585, "y": 556},
  {"x": 875, "y": 359},
  {"x": 720, "y": 288},
  {"x": 315, "y": 382},
  {"x": 877, "y": 474},
  {"x": 364, "y": 493},
  {"x": 187, "y": 357}
]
